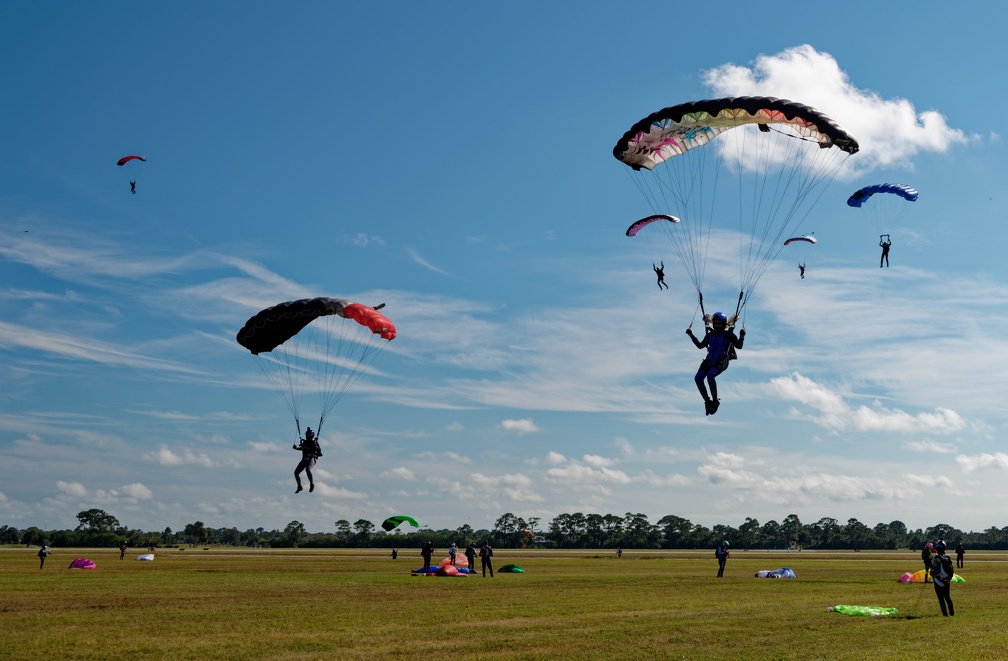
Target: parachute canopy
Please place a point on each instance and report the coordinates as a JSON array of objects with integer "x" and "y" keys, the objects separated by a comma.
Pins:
[
  {"x": 322, "y": 345},
  {"x": 146, "y": 557},
  {"x": 861, "y": 196},
  {"x": 873, "y": 611},
  {"x": 644, "y": 222},
  {"x": 783, "y": 572},
  {"x": 885, "y": 206},
  {"x": 394, "y": 521},
  {"x": 774, "y": 157},
  {"x": 126, "y": 159},
  {"x": 800, "y": 239},
  {"x": 82, "y": 563}
]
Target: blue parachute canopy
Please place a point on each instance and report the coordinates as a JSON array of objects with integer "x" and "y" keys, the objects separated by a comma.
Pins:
[{"x": 862, "y": 196}]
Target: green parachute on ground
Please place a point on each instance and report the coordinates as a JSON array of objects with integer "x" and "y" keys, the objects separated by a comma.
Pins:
[{"x": 873, "y": 611}]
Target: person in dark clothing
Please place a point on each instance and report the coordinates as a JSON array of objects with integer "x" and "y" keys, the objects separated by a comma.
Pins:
[
  {"x": 310, "y": 452},
  {"x": 885, "y": 243},
  {"x": 122, "y": 549},
  {"x": 801, "y": 267},
  {"x": 43, "y": 554},
  {"x": 133, "y": 187},
  {"x": 960, "y": 552},
  {"x": 941, "y": 576},
  {"x": 470, "y": 554},
  {"x": 720, "y": 342},
  {"x": 660, "y": 272},
  {"x": 427, "y": 551},
  {"x": 486, "y": 553},
  {"x": 395, "y": 553},
  {"x": 926, "y": 558},
  {"x": 721, "y": 553}
]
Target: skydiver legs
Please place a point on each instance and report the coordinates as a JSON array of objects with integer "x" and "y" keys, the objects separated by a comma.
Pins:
[
  {"x": 306, "y": 466},
  {"x": 708, "y": 372}
]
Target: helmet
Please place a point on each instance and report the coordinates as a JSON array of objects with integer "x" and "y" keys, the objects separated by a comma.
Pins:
[
  {"x": 719, "y": 316},
  {"x": 940, "y": 546},
  {"x": 929, "y": 545},
  {"x": 724, "y": 543}
]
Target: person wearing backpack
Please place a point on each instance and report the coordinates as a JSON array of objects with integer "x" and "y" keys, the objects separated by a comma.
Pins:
[
  {"x": 941, "y": 576},
  {"x": 486, "y": 552},
  {"x": 721, "y": 553}
]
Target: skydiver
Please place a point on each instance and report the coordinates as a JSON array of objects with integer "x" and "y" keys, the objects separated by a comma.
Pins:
[
  {"x": 801, "y": 267},
  {"x": 133, "y": 187},
  {"x": 885, "y": 249},
  {"x": 720, "y": 342},
  {"x": 310, "y": 451},
  {"x": 660, "y": 272}
]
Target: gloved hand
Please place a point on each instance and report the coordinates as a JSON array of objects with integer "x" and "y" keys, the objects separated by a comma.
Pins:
[{"x": 742, "y": 334}]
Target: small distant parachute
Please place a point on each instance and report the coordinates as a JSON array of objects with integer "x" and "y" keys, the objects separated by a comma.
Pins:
[
  {"x": 511, "y": 569},
  {"x": 82, "y": 563},
  {"x": 873, "y": 611},
  {"x": 146, "y": 557},
  {"x": 801, "y": 240},
  {"x": 126, "y": 159},
  {"x": 644, "y": 222},
  {"x": 394, "y": 521},
  {"x": 884, "y": 205},
  {"x": 528, "y": 532}
]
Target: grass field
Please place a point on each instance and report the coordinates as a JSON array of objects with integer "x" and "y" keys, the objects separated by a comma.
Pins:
[{"x": 226, "y": 603}]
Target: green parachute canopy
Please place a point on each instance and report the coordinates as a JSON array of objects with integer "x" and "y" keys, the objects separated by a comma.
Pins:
[{"x": 393, "y": 522}]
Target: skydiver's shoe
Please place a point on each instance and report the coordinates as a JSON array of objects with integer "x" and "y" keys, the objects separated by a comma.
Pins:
[
  {"x": 707, "y": 406},
  {"x": 299, "y": 489},
  {"x": 311, "y": 488},
  {"x": 714, "y": 406}
]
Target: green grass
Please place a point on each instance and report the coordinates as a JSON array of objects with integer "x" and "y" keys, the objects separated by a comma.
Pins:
[{"x": 360, "y": 604}]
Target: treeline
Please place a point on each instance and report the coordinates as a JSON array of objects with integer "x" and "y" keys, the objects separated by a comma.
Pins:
[{"x": 567, "y": 531}]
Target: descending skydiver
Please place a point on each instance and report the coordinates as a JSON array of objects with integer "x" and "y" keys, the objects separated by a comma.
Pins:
[
  {"x": 885, "y": 243},
  {"x": 310, "y": 451},
  {"x": 720, "y": 342},
  {"x": 133, "y": 187},
  {"x": 660, "y": 272},
  {"x": 801, "y": 267}
]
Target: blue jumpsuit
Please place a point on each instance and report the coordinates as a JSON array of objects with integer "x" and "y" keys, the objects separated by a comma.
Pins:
[{"x": 718, "y": 344}]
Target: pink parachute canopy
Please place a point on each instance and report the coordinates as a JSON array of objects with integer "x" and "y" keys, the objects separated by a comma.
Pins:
[
  {"x": 126, "y": 159},
  {"x": 460, "y": 561},
  {"x": 82, "y": 563}
]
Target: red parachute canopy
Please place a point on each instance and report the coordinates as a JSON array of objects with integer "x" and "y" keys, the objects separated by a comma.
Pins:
[{"x": 126, "y": 159}]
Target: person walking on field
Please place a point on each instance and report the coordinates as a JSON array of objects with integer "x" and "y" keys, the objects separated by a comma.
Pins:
[
  {"x": 960, "y": 552},
  {"x": 42, "y": 554},
  {"x": 721, "y": 553},
  {"x": 926, "y": 558},
  {"x": 122, "y": 549},
  {"x": 941, "y": 576},
  {"x": 486, "y": 552}
]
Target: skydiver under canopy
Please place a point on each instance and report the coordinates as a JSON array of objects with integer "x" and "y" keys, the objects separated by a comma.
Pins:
[
  {"x": 885, "y": 243},
  {"x": 133, "y": 187},
  {"x": 310, "y": 452},
  {"x": 720, "y": 341},
  {"x": 801, "y": 267},
  {"x": 660, "y": 272}
]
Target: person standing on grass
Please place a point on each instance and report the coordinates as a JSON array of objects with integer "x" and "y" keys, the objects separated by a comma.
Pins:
[
  {"x": 721, "y": 553},
  {"x": 43, "y": 554},
  {"x": 941, "y": 576},
  {"x": 960, "y": 552},
  {"x": 486, "y": 552},
  {"x": 427, "y": 551},
  {"x": 122, "y": 549},
  {"x": 926, "y": 558},
  {"x": 470, "y": 554}
]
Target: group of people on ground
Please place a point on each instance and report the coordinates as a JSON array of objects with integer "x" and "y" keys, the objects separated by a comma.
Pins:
[{"x": 485, "y": 555}]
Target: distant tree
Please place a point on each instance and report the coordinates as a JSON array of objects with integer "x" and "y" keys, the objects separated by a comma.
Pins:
[
  {"x": 363, "y": 527},
  {"x": 343, "y": 528},
  {"x": 637, "y": 531},
  {"x": 32, "y": 536},
  {"x": 96, "y": 520},
  {"x": 465, "y": 533},
  {"x": 294, "y": 533},
  {"x": 9, "y": 535},
  {"x": 749, "y": 533}
]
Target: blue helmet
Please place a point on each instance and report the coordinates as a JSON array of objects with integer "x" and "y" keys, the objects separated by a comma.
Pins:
[{"x": 719, "y": 316}]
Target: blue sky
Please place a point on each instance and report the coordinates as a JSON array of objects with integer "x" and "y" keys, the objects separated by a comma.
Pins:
[{"x": 455, "y": 162}]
